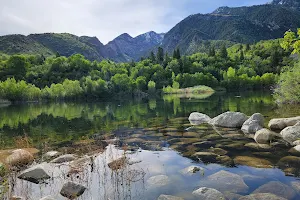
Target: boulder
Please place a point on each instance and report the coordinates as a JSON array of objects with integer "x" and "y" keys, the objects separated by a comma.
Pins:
[
  {"x": 159, "y": 180},
  {"x": 264, "y": 136},
  {"x": 72, "y": 190},
  {"x": 253, "y": 124},
  {"x": 36, "y": 174},
  {"x": 295, "y": 143},
  {"x": 291, "y": 133},
  {"x": 295, "y": 150},
  {"x": 232, "y": 196},
  {"x": 205, "y": 193},
  {"x": 196, "y": 118},
  {"x": 64, "y": 158},
  {"x": 168, "y": 197},
  {"x": 252, "y": 162},
  {"x": 262, "y": 196},
  {"x": 281, "y": 123},
  {"x": 229, "y": 120},
  {"x": 277, "y": 188},
  {"x": 225, "y": 160},
  {"x": 218, "y": 151},
  {"x": 51, "y": 154},
  {"x": 225, "y": 181},
  {"x": 19, "y": 157}
]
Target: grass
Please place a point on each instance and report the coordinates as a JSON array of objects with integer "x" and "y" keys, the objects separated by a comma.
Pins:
[{"x": 200, "y": 89}]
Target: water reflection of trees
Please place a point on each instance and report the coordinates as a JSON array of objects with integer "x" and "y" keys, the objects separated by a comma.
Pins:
[{"x": 72, "y": 121}]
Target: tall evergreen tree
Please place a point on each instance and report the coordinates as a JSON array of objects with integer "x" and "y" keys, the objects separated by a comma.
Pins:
[
  {"x": 242, "y": 57},
  {"x": 223, "y": 52},
  {"x": 160, "y": 55},
  {"x": 212, "y": 52},
  {"x": 152, "y": 57}
]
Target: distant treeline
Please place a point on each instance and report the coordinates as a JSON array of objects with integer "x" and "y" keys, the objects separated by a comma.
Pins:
[{"x": 240, "y": 67}]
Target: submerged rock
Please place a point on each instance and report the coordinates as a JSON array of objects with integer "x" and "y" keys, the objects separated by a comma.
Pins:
[
  {"x": 64, "y": 158},
  {"x": 225, "y": 181},
  {"x": 289, "y": 161},
  {"x": 205, "y": 156},
  {"x": 159, "y": 180},
  {"x": 218, "y": 151},
  {"x": 291, "y": 133},
  {"x": 296, "y": 186},
  {"x": 262, "y": 196},
  {"x": 281, "y": 123},
  {"x": 118, "y": 163},
  {"x": 277, "y": 188},
  {"x": 196, "y": 118},
  {"x": 225, "y": 160},
  {"x": 256, "y": 146},
  {"x": 168, "y": 197},
  {"x": 72, "y": 190},
  {"x": 252, "y": 162},
  {"x": 229, "y": 120},
  {"x": 19, "y": 157},
  {"x": 264, "y": 136},
  {"x": 36, "y": 174},
  {"x": 191, "y": 170},
  {"x": 205, "y": 193},
  {"x": 253, "y": 124}
]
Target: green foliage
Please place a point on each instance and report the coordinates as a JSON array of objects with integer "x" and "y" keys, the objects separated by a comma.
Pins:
[
  {"x": 288, "y": 90},
  {"x": 291, "y": 41},
  {"x": 151, "y": 86}
]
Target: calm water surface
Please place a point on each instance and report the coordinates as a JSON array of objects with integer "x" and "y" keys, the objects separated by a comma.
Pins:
[{"x": 156, "y": 138}]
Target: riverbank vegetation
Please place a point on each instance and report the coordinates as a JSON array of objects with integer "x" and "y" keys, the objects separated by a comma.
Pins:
[{"x": 240, "y": 67}]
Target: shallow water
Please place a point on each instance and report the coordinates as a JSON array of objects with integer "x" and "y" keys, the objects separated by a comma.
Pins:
[{"x": 154, "y": 134}]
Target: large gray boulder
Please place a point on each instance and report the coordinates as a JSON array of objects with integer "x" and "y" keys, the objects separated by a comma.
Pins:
[
  {"x": 229, "y": 120},
  {"x": 262, "y": 196},
  {"x": 205, "y": 193},
  {"x": 51, "y": 154},
  {"x": 291, "y": 133},
  {"x": 281, "y": 123},
  {"x": 225, "y": 181},
  {"x": 36, "y": 174},
  {"x": 253, "y": 124},
  {"x": 264, "y": 136},
  {"x": 196, "y": 118},
  {"x": 64, "y": 158},
  {"x": 168, "y": 197},
  {"x": 72, "y": 190},
  {"x": 277, "y": 188},
  {"x": 19, "y": 157}
]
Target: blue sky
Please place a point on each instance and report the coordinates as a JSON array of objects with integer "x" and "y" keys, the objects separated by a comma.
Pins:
[{"x": 105, "y": 19}]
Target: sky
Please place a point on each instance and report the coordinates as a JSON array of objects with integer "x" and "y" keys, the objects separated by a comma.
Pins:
[{"x": 105, "y": 19}]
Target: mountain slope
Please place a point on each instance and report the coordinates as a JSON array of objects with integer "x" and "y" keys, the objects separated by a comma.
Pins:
[
  {"x": 15, "y": 44},
  {"x": 241, "y": 25},
  {"x": 294, "y": 4},
  {"x": 126, "y": 48},
  {"x": 67, "y": 44}
]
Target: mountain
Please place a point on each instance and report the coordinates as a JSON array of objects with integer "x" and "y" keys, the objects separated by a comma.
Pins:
[
  {"x": 294, "y": 4},
  {"x": 67, "y": 44},
  {"x": 14, "y": 44},
  {"x": 238, "y": 25},
  {"x": 124, "y": 48},
  {"x": 127, "y": 48}
]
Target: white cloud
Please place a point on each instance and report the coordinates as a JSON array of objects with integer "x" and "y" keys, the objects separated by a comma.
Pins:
[{"x": 105, "y": 19}]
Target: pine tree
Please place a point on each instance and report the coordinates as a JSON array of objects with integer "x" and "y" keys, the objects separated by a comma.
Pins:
[
  {"x": 212, "y": 52},
  {"x": 152, "y": 57},
  {"x": 247, "y": 47},
  {"x": 242, "y": 57},
  {"x": 223, "y": 52},
  {"x": 160, "y": 55},
  {"x": 178, "y": 54}
]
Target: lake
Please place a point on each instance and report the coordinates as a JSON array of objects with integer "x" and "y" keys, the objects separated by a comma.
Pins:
[{"x": 157, "y": 143}]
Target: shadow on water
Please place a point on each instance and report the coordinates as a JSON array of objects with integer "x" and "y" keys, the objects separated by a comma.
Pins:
[{"x": 154, "y": 137}]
